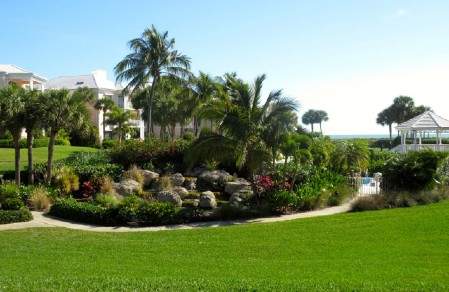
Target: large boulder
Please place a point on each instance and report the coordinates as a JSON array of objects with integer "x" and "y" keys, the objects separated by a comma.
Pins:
[
  {"x": 177, "y": 179},
  {"x": 207, "y": 200},
  {"x": 236, "y": 186},
  {"x": 149, "y": 177},
  {"x": 241, "y": 197},
  {"x": 213, "y": 180},
  {"x": 170, "y": 197},
  {"x": 127, "y": 187},
  {"x": 181, "y": 191},
  {"x": 190, "y": 183}
]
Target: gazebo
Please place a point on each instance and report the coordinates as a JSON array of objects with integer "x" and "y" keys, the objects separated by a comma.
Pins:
[{"x": 425, "y": 123}]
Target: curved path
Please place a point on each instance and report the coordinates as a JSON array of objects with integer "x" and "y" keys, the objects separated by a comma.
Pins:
[{"x": 40, "y": 220}]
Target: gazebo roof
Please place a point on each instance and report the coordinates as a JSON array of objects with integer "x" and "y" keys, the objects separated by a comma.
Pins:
[{"x": 425, "y": 121}]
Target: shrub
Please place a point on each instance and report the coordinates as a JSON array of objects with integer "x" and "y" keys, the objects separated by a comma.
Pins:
[
  {"x": 366, "y": 203},
  {"x": 40, "y": 142},
  {"x": 66, "y": 180},
  {"x": 39, "y": 199},
  {"x": 87, "y": 189},
  {"x": 414, "y": 171},
  {"x": 69, "y": 208},
  {"x": 282, "y": 201},
  {"x": 129, "y": 209},
  {"x": 109, "y": 143},
  {"x": 9, "y": 190},
  {"x": 107, "y": 200},
  {"x": 87, "y": 165},
  {"x": 164, "y": 183},
  {"x": 158, "y": 152},
  {"x": 12, "y": 216},
  {"x": 104, "y": 185},
  {"x": 12, "y": 204},
  {"x": 134, "y": 173},
  {"x": 156, "y": 213}
]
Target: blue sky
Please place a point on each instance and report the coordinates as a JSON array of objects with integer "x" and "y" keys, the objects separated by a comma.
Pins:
[{"x": 347, "y": 57}]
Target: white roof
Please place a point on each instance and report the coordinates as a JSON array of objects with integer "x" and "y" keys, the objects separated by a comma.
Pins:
[
  {"x": 425, "y": 121},
  {"x": 14, "y": 70},
  {"x": 8, "y": 68},
  {"x": 96, "y": 80}
]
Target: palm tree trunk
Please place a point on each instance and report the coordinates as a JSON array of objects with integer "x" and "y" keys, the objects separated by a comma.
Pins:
[
  {"x": 321, "y": 129},
  {"x": 150, "y": 107},
  {"x": 390, "y": 128},
  {"x": 51, "y": 147},
  {"x": 16, "y": 138},
  {"x": 312, "y": 127},
  {"x": 30, "y": 156},
  {"x": 104, "y": 125}
]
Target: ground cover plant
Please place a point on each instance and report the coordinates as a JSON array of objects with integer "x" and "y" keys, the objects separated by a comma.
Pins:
[{"x": 400, "y": 249}]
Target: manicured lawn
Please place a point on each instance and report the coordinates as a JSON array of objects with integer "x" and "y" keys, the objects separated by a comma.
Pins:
[
  {"x": 401, "y": 249},
  {"x": 40, "y": 155}
]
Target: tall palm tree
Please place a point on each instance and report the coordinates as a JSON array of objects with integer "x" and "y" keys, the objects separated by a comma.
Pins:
[
  {"x": 64, "y": 110},
  {"x": 34, "y": 115},
  {"x": 152, "y": 56},
  {"x": 119, "y": 119},
  {"x": 241, "y": 126},
  {"x": 309, "y": 118},
  {"x": 321, "y": 116},
  {"x": 11, "y": 118},
  {"x": 104, "y": 105},
  {"x": 204, "y": 88},
  {"x": 387, "y": 118}
]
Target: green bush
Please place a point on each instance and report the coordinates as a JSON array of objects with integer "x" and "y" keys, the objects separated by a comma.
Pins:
[
  {"x": 109, "y": 143},
  {"x": 87, "y": 165},
  {"x": 12, "y": 216},
  {"x": 378, "y": 159},
  {"x": 12, "y": 204},
  {"x": 414, "y": 171},
  {"x": 69, "y": 208},
  {"x": 282, "y": 201},
  {"x": 157, "y": 152},
  {"x": 129, "y": 209},
  {"x": 156, "y": 213},
  {"x": 9, "y": 190},
  {"x": 107, "y": 200}
]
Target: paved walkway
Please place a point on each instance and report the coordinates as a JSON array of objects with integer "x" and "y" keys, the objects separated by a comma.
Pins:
[{"x": 40, "y": 220}]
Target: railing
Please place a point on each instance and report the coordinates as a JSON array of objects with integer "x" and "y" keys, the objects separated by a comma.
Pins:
[
  {"x": 366, "y": 186},
  {"x": 418, "y": 147}
]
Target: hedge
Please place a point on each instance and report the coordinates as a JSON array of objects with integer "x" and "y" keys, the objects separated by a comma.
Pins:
[
  {"x": 11, "y": 216},
  {"x": 41, "y": 142},
  {"x": 140, "y": 212}
]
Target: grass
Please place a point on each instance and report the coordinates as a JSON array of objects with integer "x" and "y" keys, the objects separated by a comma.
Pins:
[
  {"x": 40, "y": 155},
  {"x": 400, "y": 249}
]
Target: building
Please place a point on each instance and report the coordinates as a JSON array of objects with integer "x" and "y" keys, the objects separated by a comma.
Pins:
[
  {"x": 103, "y": 88},
  {"x": 26, "y": 79}
]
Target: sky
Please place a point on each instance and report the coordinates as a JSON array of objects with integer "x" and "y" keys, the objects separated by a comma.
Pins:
[{"x": 348, "y": 57}]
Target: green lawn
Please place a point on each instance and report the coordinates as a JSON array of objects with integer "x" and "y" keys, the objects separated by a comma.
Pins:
[
  {"x": 401, "y": 249},
  {"x": 40, "y": 155}
]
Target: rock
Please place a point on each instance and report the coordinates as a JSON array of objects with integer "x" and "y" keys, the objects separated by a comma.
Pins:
[
  {"x": 149, "y": 177},
  {"x": 177, "y": 179},
  {"x": 207, "y": 200},
  {"x": 127, "y": 187},
  {"x": 170, "y": 197},
  {"x": 241, "y": 197},
  {"x": 237, "y": 186},
  {"x": 181, "y": 191},
  {"x": 190, "y": 183},
  {"x": 213, "y": 180},
  {"x": 191, "y": 203}
]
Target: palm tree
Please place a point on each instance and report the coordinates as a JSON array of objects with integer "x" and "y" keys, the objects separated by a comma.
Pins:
[
  {"x": 321, "y": 116},
  {"x": 64, "y": 110},
  {"x": 119, "y": 118},
  {"x": 204, "y": 88},
  {"x": 241, "y": 126},
  {"x": 104, "y": 105},
  {"x": 309, "y": 118},
  {"x": 34, "y": 115},
  {"x": 11, "y": 118},
  {"x": 387, "y": 118},
  {"x": 152, "y": 56}
]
